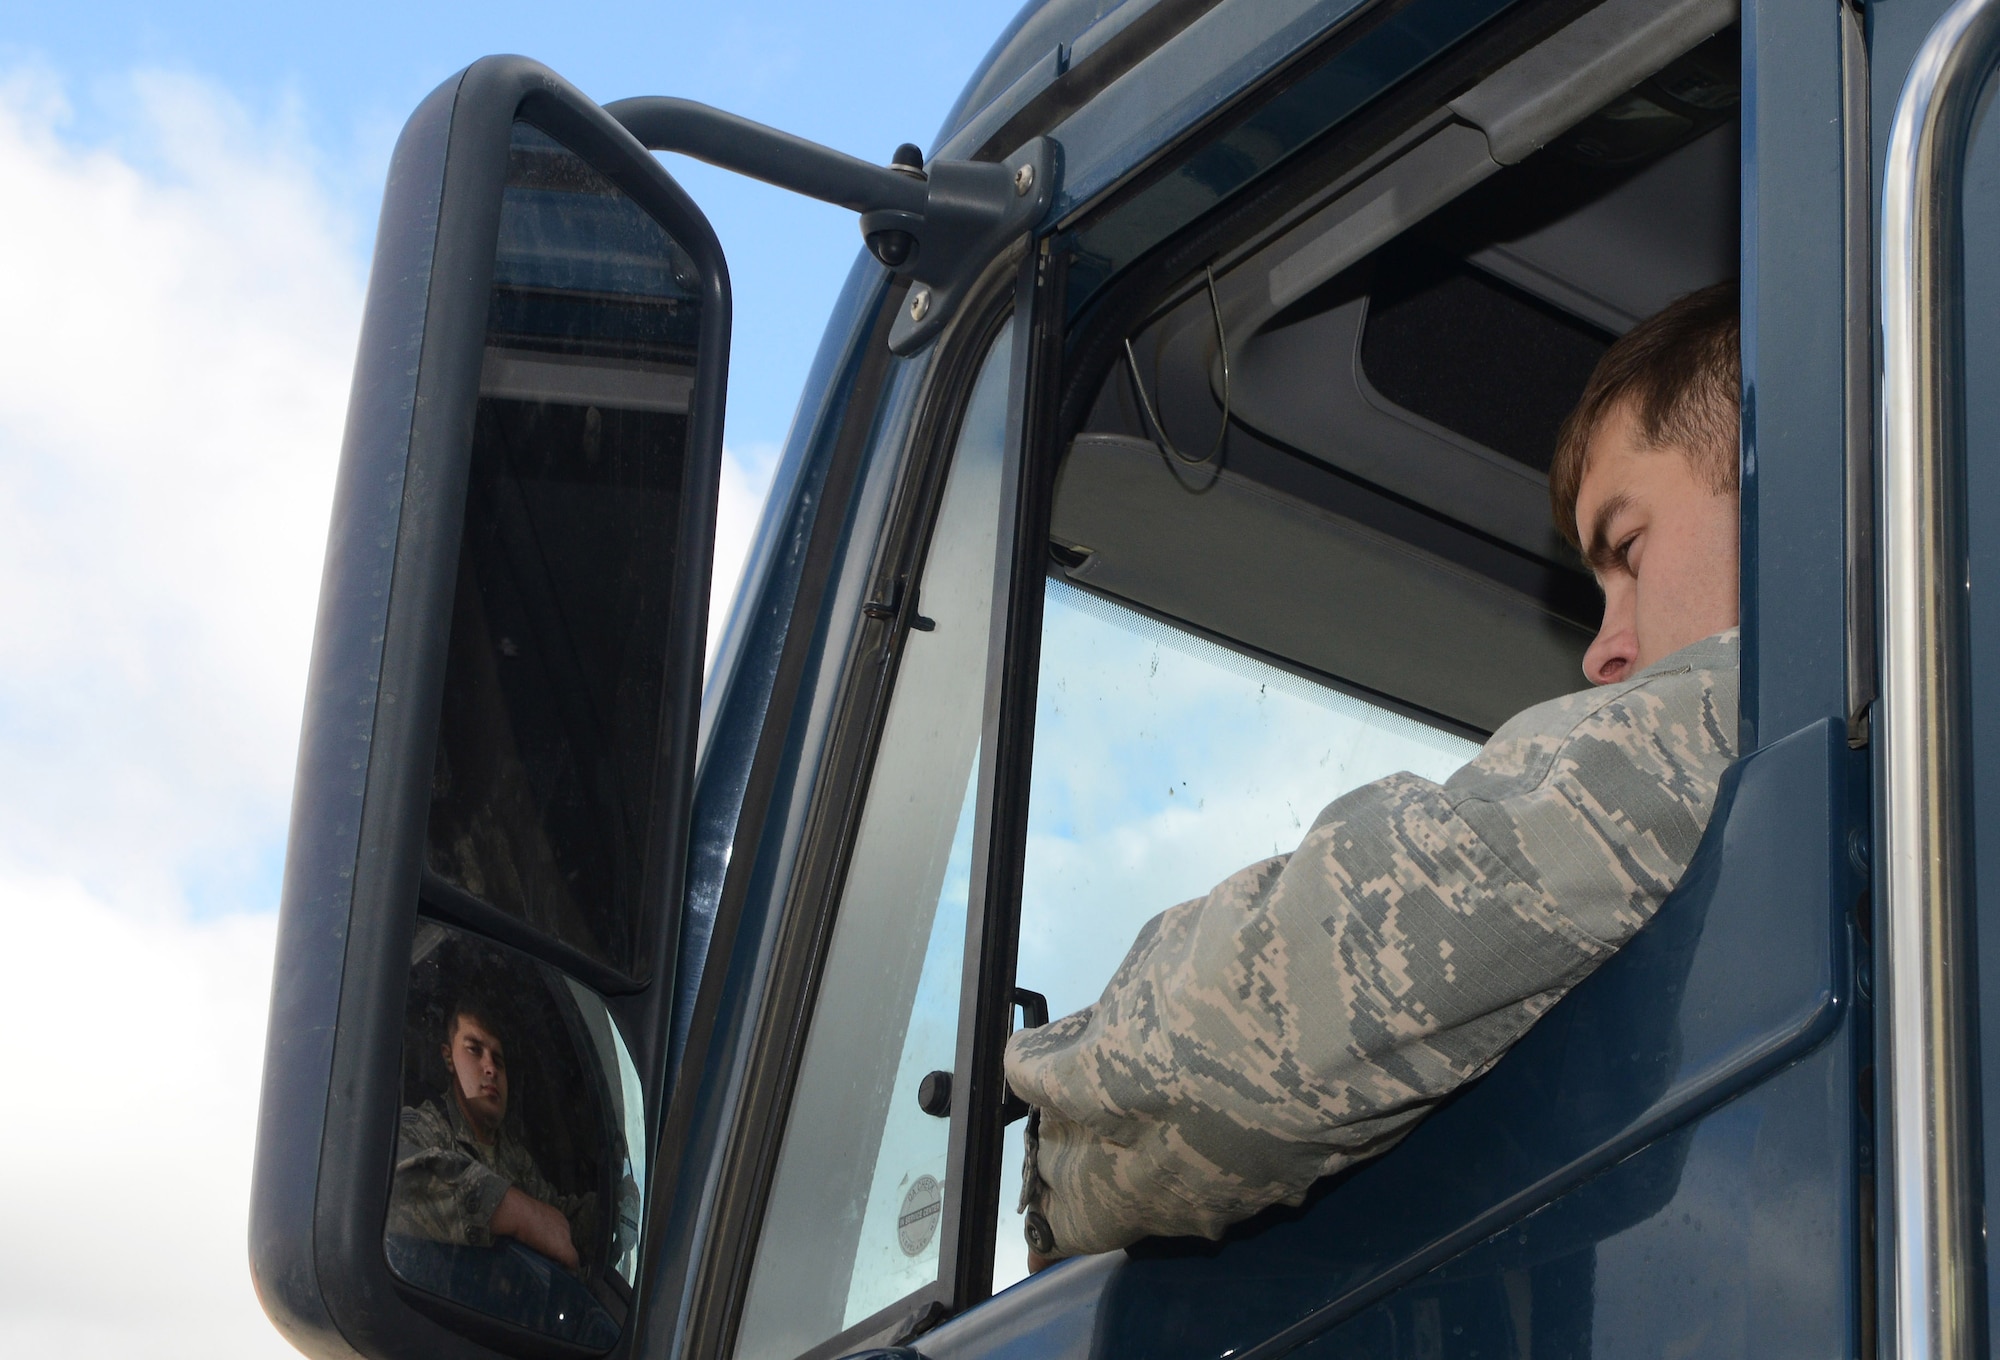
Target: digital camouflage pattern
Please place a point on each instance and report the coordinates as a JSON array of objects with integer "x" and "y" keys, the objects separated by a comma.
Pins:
[
  {"x": 1312, "y": 1008},
  {"x": 447, "y": 1183}
]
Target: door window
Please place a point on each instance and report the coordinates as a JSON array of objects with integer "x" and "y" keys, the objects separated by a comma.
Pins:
[
  {"x": 853, "y": 1221},
  {"x": 1164, "y": 763}
]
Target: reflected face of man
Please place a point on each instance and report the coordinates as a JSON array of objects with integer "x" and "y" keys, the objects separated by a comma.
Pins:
[
  {"x": 479, "y": 1069},
  {"x": 1662, "y": 543}
]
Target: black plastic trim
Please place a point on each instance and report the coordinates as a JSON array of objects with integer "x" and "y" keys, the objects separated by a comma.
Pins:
[{"x": 441, "y": 900}]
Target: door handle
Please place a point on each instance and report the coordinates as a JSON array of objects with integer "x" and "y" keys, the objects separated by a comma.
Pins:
[{"x": 1034, "y": 1008}]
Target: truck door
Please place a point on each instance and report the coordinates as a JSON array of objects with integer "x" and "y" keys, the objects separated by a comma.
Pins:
[
  {"x": 1274, "y": 526},
  {"x": 1261, "y": 588}
]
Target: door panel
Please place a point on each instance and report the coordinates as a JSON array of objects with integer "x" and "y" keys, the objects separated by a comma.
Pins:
[{"x": 1687, "y": 1249}]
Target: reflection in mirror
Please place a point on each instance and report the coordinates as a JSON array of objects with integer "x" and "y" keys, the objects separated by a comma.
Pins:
[
  {"x": 541, "y": 799},
  {"x": 520, "y": 1147}
]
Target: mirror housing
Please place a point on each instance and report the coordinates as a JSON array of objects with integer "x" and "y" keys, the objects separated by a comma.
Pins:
[{"x": 364, "y": 844}]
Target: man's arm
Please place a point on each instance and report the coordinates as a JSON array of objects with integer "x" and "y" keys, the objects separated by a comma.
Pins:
[
  {"x": 1312, "y": 1008},
  {"x": 534, "y": 1223},
  {"x": 442, "y": 1194},
  {"x": 578, "y": 1212}
]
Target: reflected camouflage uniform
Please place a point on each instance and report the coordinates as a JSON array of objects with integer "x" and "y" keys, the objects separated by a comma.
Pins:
[
  {"x": 1312, "y": 1008},
  {"x": 447, "y": 1183}
]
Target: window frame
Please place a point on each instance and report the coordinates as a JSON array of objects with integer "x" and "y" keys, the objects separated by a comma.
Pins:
[
  {"x": 863, "y": 681},
  {"x": 999, "y": 855}
]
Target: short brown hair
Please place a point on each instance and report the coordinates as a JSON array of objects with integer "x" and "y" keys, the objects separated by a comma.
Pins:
[
  {"x": 477, "y": 1008},
  {"x": 1682, "y": 371}
]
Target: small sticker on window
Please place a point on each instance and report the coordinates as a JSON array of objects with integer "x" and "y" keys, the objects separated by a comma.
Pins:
[{"x": 922, "y": 1207}]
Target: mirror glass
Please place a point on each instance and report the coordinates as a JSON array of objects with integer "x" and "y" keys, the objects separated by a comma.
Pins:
[
  {"x": 520, "y": 1145},
  {"x": 542, "y": 793}
]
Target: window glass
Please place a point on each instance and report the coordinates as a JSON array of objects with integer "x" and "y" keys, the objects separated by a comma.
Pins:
[
  {"x": 853, "y": 1220},
  {"x": 541, "y": 798},
  {"x": 1163, "y": 764}
]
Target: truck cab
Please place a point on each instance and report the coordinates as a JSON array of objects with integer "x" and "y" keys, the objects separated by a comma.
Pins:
[{"x": 1176, "y": 460}]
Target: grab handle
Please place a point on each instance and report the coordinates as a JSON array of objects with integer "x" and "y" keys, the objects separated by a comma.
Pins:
[{"x": 1931, "y": 1214}]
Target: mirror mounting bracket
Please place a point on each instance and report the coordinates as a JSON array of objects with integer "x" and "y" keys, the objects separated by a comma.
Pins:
[{"x": 938, "y": 228}]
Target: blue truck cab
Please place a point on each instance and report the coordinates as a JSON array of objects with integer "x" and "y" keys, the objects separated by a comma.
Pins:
[{"x": 1176, "y": 459}]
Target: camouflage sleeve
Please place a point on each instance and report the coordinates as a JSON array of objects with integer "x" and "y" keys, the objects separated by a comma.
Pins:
[
  {"x": 581, "y": 1211},
  {"x": 525, "y": 1174},
  {"x": 440, "y": 1193},
  {"x": 1312, "y": 1008}
]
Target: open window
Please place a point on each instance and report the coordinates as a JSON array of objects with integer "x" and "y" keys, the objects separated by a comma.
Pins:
[{"x": 1301, "y": 538}]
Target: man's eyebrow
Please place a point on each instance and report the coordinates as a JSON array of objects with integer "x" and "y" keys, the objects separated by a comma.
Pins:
[{"x": 1599, "y": 555}]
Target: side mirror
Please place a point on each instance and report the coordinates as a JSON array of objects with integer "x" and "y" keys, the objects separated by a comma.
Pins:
[{"x": 481, "y": 891}]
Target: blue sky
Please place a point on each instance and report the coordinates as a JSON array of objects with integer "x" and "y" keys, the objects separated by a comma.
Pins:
[
  {"x": 862, "y": 77},
  {"x": 191, "y": 197}
]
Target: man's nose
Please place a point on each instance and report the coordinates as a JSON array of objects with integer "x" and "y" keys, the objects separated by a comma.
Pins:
[{"x": 1611, "y": 654}]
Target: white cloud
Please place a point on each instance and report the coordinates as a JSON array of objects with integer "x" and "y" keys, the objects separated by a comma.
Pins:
[
  {"x": 131, "y": 1049},
  {"x": 172, "y": 383},
  {"x": 182, "y": 310}
]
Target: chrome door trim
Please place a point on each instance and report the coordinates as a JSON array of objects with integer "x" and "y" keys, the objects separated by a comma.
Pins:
[{"x": 1931, "y": 1219}]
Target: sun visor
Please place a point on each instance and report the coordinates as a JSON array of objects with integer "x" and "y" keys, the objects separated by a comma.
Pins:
[{"x": 1299, "y": 583}]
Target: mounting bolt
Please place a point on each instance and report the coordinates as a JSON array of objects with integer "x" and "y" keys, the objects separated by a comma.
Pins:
[
  {"x": 920, "y": 303},
  {"x": 1035, "y": 1228},
  {"x": 1024, "y": 178}
]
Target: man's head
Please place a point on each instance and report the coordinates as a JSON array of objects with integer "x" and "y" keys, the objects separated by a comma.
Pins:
[
  {"x": 477, "y": 1057},
  {"x": 1645, "y": 479}
]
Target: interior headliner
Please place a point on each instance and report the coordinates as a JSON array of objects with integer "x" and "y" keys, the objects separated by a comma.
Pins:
[{"x": 1380, "y": 514}]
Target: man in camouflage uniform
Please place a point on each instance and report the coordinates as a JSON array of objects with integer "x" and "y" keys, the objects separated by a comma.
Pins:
[
  {"x": 461, "y": 1177},
  {"x": 1310, "y": 1010}
]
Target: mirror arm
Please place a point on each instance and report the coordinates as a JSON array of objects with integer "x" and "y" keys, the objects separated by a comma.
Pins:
[
  {"x": 710, "y": 134},
  {"x": 937, "y": 227}
]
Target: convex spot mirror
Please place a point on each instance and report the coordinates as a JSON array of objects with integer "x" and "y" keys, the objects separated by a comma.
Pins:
[
  {"x": 520, "y": 1144},
  {"x": 468, "y": 1027}
]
